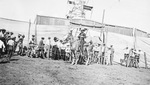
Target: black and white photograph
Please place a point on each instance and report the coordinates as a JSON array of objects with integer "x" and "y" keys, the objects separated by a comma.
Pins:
[{"x": 74, "y": 42}]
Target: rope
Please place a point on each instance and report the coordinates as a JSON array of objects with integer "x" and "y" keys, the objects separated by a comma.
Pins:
[{"x": 145, "y": 42}]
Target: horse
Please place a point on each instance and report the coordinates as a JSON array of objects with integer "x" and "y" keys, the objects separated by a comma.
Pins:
[{"x": 76, "y": 50}]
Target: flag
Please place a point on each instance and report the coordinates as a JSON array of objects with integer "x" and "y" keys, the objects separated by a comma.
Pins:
[
  {"x": 71, "y": 2},
  {"x": 87, "y": 7}
]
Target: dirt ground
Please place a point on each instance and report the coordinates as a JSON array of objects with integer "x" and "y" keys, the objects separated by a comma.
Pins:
[{"x": 29, "y": 71}]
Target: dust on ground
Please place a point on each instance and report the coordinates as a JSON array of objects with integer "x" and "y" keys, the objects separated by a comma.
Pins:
[{"x": 33, "y": 71}]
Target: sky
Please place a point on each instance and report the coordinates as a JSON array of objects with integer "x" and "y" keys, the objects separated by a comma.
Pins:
[{"x": 129, "y": 13}]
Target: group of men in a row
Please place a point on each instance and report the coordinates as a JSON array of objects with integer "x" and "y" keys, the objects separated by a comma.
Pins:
[
  {"x": 132, "y": 57},
  {"x": 99, "y": 53},
  {"x": 51, "y": 49}
]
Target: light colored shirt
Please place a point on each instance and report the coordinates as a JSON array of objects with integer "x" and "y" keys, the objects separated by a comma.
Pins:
[
  {"x": 112, "y": 50},
  {"x": 126, "y": 51},
  {"x": 53, "y": 43},
  {"x": 96, "y": 48},
  {"x": 103, "y": 48},
  {"x": 2, "y": 44},
  {"x": 68, "y": 49},
  {"x": 48, "y": 42},
  {"x": 10, "y": 42},
  {"x": 1, "y": 34},
  {"x": 63, "y": 46},
  {"x": 108, "y": 52},
  {"x": 58, "y": 44}
]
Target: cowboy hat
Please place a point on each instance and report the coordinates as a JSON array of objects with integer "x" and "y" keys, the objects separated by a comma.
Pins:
[{"x": 42, "y": 37}]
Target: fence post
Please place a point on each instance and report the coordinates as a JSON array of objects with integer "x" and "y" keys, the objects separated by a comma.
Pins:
[{"x": 145, "y": 60}]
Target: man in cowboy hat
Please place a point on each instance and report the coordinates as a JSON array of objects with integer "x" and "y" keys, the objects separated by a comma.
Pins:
[
  {"x": 81, "y": 37},
  {"x": 32, "y": 41},
  {"x": 41, "y": 47},
  {"x": 112, "y": 54},
  {"x": 10, "y": 49},
  {"x": 55, "y": 49},
  {"x": 70, "y": 37},
  {"x": 2, "y": 31},
  {"x": 48, "y": 46}
]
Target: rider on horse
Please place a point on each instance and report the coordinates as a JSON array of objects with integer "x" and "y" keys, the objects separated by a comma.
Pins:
[
  {"x": 70, "y": 37},
  {"x": 82, "y": 37}
]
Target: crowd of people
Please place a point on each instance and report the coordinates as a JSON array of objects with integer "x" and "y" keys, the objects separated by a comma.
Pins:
[
  {"x": 57, "y": 49},
  {"x": 9, "y": 44},
  {"x": 90, "y": 52},
  {"x": 62, "y": 49},
  {"x": 131, "y": 57}
]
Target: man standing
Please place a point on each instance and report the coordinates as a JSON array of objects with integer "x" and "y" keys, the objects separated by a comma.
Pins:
[
  {"x": 129, "y": 58},
  {"x": 55, "y": 49},
  {"x": 112, "y": 54},
  {"x": 10, "y": 48},
  {"x": 126, "y": 53},
  {"x": 103, "y": 54},
  {"x": 48, "y": 46},
  {"x": 41, "y": 47},
  {"x": 69, "y": 37},
  {"x": 90, "y": 52},
  {"x": 100, "y": 53}
]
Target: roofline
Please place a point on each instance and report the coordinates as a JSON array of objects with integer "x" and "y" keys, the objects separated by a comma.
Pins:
[{"x": 14, "y": 20}]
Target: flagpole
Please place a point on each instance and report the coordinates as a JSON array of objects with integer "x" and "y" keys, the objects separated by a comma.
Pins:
[
  {"x": 36, "y": 29},
  {"x": 134, "y": 37},
  {"x": 104, "y": 36},
  {"x": 29, "y": 31},
  {"x": 103, "y": 25},
  {"x": 91, "y": 14}
]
